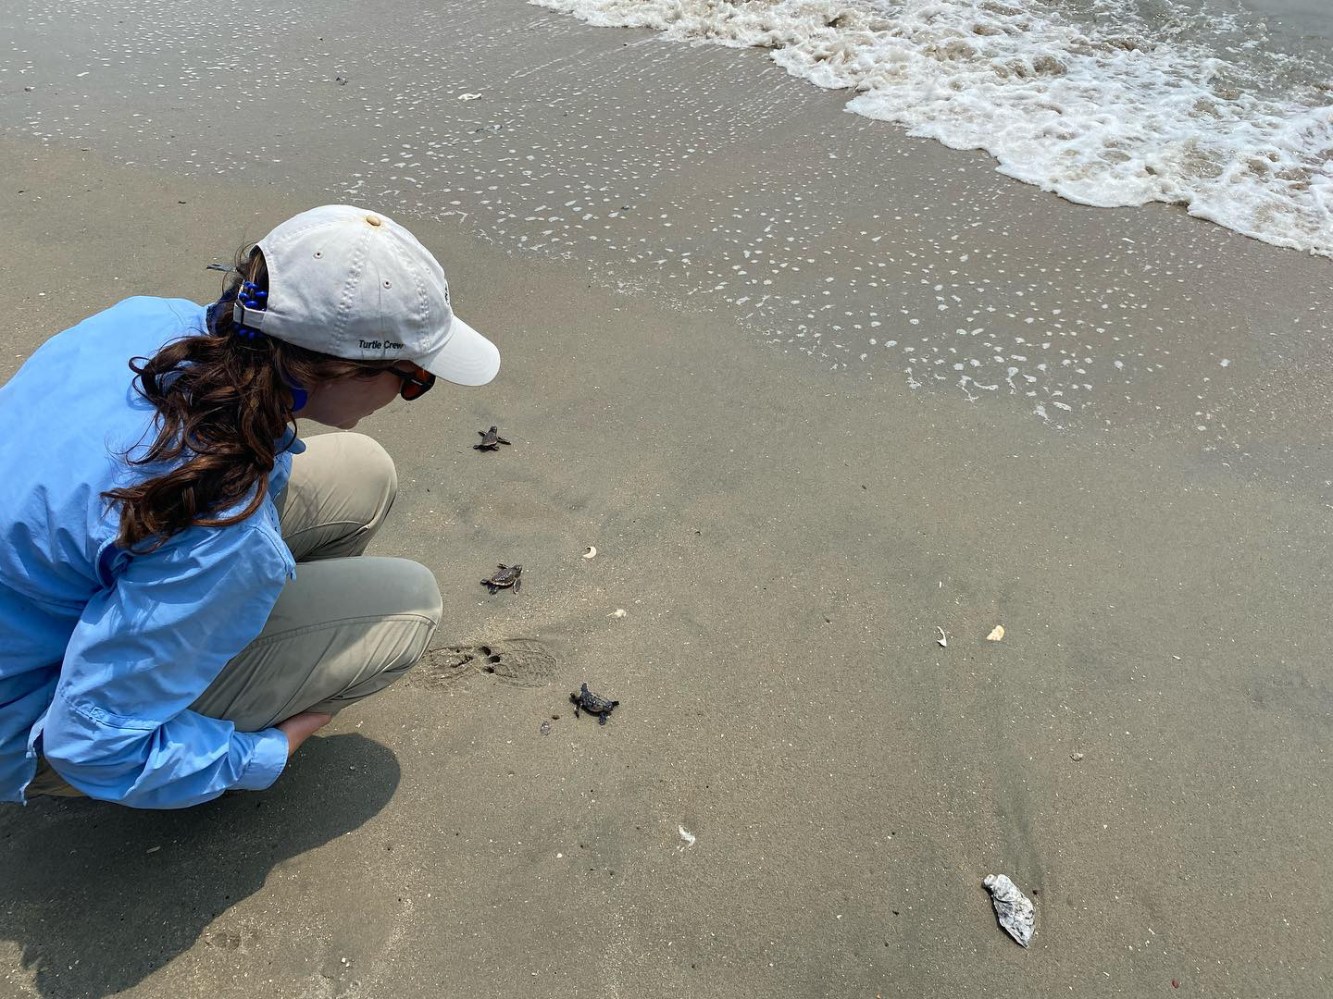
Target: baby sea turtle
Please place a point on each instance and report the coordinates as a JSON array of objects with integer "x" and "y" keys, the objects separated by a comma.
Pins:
[
  {"x": 592, "y": 703},
  {"x": 490, "y": 440},
  {"x": 507, "y": 576}
]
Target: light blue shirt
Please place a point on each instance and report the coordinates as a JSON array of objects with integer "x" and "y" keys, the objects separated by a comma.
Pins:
[{"x": 103, "y": 652}]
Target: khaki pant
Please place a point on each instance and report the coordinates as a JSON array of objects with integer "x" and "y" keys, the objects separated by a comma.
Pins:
[{"x": 348, "y": 625}]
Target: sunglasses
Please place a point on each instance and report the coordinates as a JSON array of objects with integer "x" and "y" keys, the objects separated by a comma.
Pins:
[{"x": 416, "y": 382}]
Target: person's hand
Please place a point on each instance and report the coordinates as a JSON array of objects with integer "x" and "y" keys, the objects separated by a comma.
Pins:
[{"x": 300, "y": 727}]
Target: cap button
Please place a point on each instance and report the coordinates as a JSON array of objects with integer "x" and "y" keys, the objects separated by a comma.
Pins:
[{"x": 373, "y": 220}]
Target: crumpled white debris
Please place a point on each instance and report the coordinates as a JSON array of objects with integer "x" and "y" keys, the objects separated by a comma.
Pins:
[{"x": 1012, "y": 908}]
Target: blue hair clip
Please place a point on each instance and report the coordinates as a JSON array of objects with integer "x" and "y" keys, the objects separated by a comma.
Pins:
[
  {"x": 250, "y": 299},
  {"x": 253, "y": 299}
]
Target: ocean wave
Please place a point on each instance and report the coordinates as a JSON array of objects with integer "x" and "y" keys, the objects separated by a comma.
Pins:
[{"x": 1092, "y": 100}]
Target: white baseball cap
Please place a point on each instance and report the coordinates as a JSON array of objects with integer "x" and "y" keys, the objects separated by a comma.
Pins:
[{"x": 355, "y": 284}]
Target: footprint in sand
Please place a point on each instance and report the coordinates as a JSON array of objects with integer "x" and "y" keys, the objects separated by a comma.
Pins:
[
  {"x": 240, "y": 939},
  {"x": 519, "y": 662}
]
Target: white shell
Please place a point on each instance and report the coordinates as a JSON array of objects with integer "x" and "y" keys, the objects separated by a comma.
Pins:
[
  {"x": 943, "y": 640},
  {"x": 1012, "y": 908},
  {"x": 590, "y": 553},
  {"x": 997, "y": 634}
]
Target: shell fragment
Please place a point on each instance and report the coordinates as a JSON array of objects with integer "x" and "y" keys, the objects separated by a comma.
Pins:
[
  {"x": 591, "y": 552},
  {"x": 997, "y": 634},
  {"x": 943, "y": 640},
  {"x": 1013, "y": 909}
]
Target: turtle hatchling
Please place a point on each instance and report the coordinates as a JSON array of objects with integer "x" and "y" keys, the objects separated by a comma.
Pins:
[
  {"x": 490, "y": 440},
  {"x": 507, "y": 575},
  {"x": 592, "y": 703}
]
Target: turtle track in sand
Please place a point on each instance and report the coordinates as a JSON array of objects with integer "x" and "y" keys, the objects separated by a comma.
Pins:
[{"x": 519, "y": 662}]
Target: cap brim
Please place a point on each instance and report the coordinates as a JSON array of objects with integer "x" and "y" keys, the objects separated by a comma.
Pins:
[{"x": 467, "y": 357}]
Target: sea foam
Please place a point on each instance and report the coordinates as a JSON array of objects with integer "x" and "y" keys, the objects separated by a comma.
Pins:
[{"x": 1088, "y": 99}]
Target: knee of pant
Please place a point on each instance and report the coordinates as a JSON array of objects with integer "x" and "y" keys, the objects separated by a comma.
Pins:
[
  {"x": 372, "y": 470},
  {"x": 424, "y": 594},
  {"x": 425, "y": 591},
  {"x": 374, "y": 465}
]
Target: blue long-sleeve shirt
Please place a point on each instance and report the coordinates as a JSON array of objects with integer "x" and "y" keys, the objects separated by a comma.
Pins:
[{"x": 102, "y": 652}]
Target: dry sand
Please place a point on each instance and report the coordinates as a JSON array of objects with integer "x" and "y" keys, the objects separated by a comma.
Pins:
[{"x": 784, "y": 540}]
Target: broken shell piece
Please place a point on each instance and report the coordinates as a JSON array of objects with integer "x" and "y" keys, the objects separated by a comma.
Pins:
[
  {"x": 1013, "y": 909},
  {"x": 943, "y": 640},
  {"x": 1076, "y": 756},
  {"x": 468, "y": 97},
  {"x": 618, "y": 612},
  {"x": 687, "y": 837},
  {"x": 590, "y": 553},
  {"x": 997, "y": 634}
]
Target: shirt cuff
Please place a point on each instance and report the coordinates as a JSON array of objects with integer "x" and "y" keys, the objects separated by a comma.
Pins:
[{"x": 267, "y": 758}]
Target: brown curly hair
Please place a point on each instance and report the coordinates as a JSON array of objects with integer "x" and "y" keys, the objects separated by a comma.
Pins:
[{"x": 223, "y": 405}]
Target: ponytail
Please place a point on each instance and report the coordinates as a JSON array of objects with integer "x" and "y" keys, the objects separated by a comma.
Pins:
[{"x": 224, "y": 401}]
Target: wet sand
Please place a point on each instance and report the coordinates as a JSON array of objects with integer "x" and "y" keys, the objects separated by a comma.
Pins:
[{"x": 784, "y": 536}]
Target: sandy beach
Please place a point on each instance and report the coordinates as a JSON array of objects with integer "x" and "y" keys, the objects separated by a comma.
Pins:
[{"x": 801, "y": 790}]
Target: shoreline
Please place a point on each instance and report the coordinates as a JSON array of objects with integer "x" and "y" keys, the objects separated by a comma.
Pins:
[
  {"x": 709, "y": 178},
  {"x": 1083, "y": 122}
]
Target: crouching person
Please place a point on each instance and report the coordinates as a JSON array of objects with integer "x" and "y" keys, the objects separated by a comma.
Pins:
[{"x": 183, "y": 594}]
